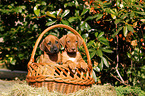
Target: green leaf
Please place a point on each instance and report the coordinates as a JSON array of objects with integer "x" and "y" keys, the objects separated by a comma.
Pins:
[
  {"x": 90, "y": 43},
  {"x": 118, "y": 3},
  {"x": 96, "y": 34},
  {"x": 119, "y": 29},
  {"x": 129, "y": 55},
  {"x": 101, "y": 65},
  {"x": 84, "y": 12},
  {"x": 97, "y": 45},
  {"x": 117, "y": 21},
  {"x": 36, "y": 10},
  {"x": 85, "y": 35},
  {"x": 71, "y": 19},
  {"x": 76, "y": 4},
  {"x": 43, "y": 3},
  {"x": 107, "y": 51},
  {"x": 13, "y": 62},
  {"x": 19, "y": 9},
  {"x": 50, "y": 14},
  {"x": 82, "y": 25},
  {"x": 127, "y": 20},
  {"x": 125, "y": 31},
  {"x": 112, "y": 11},
  {"x": 108, "y": 10},
  {"x": 77, "y": 13},
  {"x": 138, "y": 6},
  {"x": 91, "y": 50},
  {"x": 143, "y": 20},
  {"x": 130, "y": 28},
  {"x": 141, "y": 13},
  {"x": 21, "y": 56},
  {"x": 132, "y": 15},
  {"x": 94, "y": 76},
  {"x": 87, "y": 26},
  {"x": 100, "y": 35},
  {"x": 66, "y": 12},
  {"x": 97, "y": 69},
  {"x": 92, "y": 17},
  {"x": 92, "y": 54},
  {"x": 124, "y": 16},
  {"x": 113, "y": 16},
  {"x": 50, "y": 23},
  {"x": 59, "y": 12},
  {"x": 99, "y": 16},
  {"x": 105, "y": 61},
  {"x": 65, "y": 22},
  {"x": 99, "y": 53},
  {"x": 103, "y": 41},
  {"x": 9, "y": 6}
]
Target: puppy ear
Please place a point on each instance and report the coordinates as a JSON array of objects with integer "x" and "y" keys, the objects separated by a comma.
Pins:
[
  {"x": 62, "y": 40},
  {"x": 59, "y": 43},
  {"x": 80, "y": 41},
  {"x": 42, "y": 46}
]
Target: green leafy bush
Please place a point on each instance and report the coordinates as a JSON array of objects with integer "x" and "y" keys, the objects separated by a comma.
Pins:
[
  {"x": 123, "y": 23},
  {"x": 129, "y": 91},
  {"x": 27, "y": 27}
]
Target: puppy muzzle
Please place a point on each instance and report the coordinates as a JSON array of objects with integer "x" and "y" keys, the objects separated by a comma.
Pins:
[
  {"x": 72, "y": 49},
  {"x": 54, "y": 49}
]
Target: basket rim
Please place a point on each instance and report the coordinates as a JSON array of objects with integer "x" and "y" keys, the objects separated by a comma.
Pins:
[{"x": 59, "y": 26}]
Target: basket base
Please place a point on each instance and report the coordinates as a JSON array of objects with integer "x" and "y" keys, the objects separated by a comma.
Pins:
[{"x": 59, "y": 86}]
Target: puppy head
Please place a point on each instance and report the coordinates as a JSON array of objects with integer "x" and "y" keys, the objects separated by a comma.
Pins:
[
  {"x": 50, "y": 44},
  {"x": 70, "y": 42}
]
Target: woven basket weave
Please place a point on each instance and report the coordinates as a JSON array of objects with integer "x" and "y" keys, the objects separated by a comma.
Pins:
[{"x": 58, "y": 77}]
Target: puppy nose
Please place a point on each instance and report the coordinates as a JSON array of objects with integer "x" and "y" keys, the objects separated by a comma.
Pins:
[
  {"x": 55, "y": 49},
  {"x": 73, "y": 48}
]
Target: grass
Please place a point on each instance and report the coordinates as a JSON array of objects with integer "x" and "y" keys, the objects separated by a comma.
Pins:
[
  {"x": 21, "y": 88},
  {"x": 25, "y": 90}
]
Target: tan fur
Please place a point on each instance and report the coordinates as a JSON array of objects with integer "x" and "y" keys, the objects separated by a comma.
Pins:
[
  {"x": 50, "y": 45},
  {"x": 71, "y": 55}
]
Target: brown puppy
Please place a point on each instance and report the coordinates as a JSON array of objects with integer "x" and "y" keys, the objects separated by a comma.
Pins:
[
  {"x": 50, "y": 45},
  {"x": 71, "y": 56}
]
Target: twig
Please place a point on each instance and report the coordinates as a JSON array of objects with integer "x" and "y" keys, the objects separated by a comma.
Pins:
[
  {"x": 118, "y": 79},
  {"x": 118, "y": 57},
  {"x": 119, "y": 74}
]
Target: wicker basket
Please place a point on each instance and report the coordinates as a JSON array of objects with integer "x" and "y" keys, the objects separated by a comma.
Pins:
[{"x": 58, "y": 77}]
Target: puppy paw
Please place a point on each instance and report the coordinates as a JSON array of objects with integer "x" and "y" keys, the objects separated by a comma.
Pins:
[
  {"x": 83, "y": 65},
  {"x": 71, "y": 64}
]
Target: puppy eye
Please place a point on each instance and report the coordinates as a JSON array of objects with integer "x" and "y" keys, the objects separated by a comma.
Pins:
[
  {"x": 49, "y": 43},
  {"x": 68, "y": 41},
  {"x": 56, "y": 42},
  {"x": 76, "y": 41}
]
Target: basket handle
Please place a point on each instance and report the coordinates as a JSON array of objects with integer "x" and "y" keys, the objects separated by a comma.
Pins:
[{"x": 62, "y": 26}]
